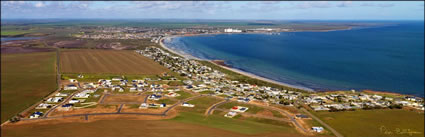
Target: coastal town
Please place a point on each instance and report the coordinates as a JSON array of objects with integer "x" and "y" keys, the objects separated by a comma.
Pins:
[
  {"x": 213, "y": 80},
  {"x": 81, "y": 95},
  {"x": 101, "y": 32},
  {"x": 197, "y": 78}
]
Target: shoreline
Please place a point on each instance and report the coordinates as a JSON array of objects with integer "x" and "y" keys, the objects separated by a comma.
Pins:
[{"x": 187, "y": 56}]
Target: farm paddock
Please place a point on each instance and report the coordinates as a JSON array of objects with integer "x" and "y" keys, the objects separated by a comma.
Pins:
[{"x": 107, "y": 62}]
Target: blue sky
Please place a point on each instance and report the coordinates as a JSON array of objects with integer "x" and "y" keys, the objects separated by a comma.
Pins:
[{"x": 283, "y": 10}]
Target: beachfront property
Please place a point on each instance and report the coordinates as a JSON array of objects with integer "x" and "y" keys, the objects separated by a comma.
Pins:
[{"x": 213, "y": 80}]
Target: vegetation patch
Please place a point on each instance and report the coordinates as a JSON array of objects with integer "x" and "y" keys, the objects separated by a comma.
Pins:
[
  {"x": 375, "y": 123},
  {"x": 234, "y": 125},
  {"x": 108, "y": 61},
  {"x": 25, "y": 79},
  {"x": 251, "y": 108}
]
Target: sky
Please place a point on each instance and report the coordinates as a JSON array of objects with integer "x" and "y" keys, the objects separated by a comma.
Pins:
[{"x": 268, "y": 10}]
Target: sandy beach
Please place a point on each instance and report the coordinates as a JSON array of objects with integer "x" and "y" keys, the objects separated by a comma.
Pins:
[{"x": 181, "y": 53}]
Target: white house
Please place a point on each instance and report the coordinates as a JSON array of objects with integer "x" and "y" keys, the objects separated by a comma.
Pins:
[
  {"x": 73, "y": 101},
  {"x": 185, "y": 104},
  {"x": 70, "y": 87},
  {"x": 231, "y": 114},
  {"x": 55, "y": 99},
  {"x": 317, "y": 129}
]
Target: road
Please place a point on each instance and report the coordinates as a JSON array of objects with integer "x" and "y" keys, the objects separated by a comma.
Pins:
[
  {"x": 211, "y": 109},
  {"x": 115, "y": 113},
  {"x": 336, "y": 133}
]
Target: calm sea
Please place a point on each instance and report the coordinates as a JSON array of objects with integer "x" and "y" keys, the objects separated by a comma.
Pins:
[
  {"x": 386, "y": 58},
  {"x": 5, "y": 39}
]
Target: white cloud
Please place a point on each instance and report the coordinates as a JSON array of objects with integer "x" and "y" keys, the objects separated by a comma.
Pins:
[
  {"x": 39, "y": 4},
  {"x": 313, "y": 4},
  {"x": 345, "y": 4},
  {"x": 383, "y": 5}
]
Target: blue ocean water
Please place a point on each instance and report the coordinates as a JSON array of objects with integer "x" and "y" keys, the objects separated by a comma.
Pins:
[
  {"x": 5, "y": 39},
  {"x": 386, "y": 58}
]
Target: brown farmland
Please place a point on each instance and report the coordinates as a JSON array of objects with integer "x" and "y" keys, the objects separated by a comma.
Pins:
[{"x": 107, "y": 62}]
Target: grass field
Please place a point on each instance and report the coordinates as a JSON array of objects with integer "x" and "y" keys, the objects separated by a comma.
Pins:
[
  {"x": 107, "y": 62},
  {"x": 251, "y": 108},
  {"x": 234, "y": 125},
  {"x": 183, "y": 95},
  {"x": 177, "y": 127},
  {"x": 201, "y": 104},
  {"x": 25, "y": 79},
  {"x": 13, "y": 32},
  {"x": 374, "y": 123}
]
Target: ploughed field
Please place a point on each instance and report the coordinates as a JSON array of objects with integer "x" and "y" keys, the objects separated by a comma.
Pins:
[
  {"x": 25, "y": 79},
  {"x": 107, "y": 62}
]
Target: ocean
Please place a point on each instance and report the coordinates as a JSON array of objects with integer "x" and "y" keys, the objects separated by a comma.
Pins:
[
  {"x": 383, "y": 58},
  {"x": 5, "y": 39}
]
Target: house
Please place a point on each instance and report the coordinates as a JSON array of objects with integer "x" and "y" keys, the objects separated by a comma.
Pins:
[
  {"x": 73, "y": 101},
  {"x": 143, "y": 106},
  {"x": 65, "y": 107},
  {"x": 116, "y": 79},
  {"x": 43, "y": 106},
  {"x": 239, "y": 109},
  {"x": 55, "y": 99},
  {"x": 133, "y": 89},
  {"x": 317, "y": 129},
  {"x": 319, "y": 108},
  {"x": 73, "y": 80},
  {"x": 36, "y": 114},
  {"x": 70, "y": 87},
  {"x": 153, "y": 105},
  {"x": 246, "y": 100},
  {"x": 185, "y": 104},
  {"x": 61, "y": 94},
  {"x": 231, "y": 114},
  {"x": 82, "y": 95},
  {"x": 140, "y": 89},
  {"x": 172, "y": 94},
  {"x": 154, "y": 97},
  {"x": 301, "y": 116}
]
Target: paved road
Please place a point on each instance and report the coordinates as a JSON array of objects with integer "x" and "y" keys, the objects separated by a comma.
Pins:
[
  {"x": 119, "y": 109},
  {"x": 211, "y": 109},
  {"x": 63, "y": 102},
  {"x": 298, "y": 125},
  {"x": 115, "y": 113}
]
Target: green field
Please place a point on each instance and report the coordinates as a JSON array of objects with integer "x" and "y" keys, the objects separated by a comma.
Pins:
[
  {"x": 251, "y": 108},
  {"x": 25, "y": 80},
  {"x": 234, "y": 125},
  {"x": 375, "y": 123},
  {"x": 201, "y": 104},
  {"x": 13, "y": 32},
  {"x": 183, "y": 95}
]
